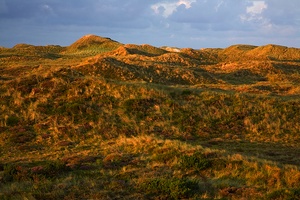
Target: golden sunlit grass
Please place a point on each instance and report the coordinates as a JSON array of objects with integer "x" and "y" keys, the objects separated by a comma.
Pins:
[{"x": 102, "y": 120}]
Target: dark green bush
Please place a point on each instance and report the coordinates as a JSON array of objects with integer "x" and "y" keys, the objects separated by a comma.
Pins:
[
  {"x": 139, "y": 107},
  {"x": 196, "y": 161},
  {"x": 164, "y": 157},
  {"x": 53, "y": 168},
  {"x": 186, "y": 92},
  {"x": 21, "y": 134},
  {"x": 289, "y": 194},
  {"x": 12, "y": 121},
  {"x": 48, "y": 169},
  {"x": 170, "y": 188},
  {"x": 13, "y": 172}
]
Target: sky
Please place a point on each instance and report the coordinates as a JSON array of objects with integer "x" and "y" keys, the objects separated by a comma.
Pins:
[{"x": 176, "y": 23}]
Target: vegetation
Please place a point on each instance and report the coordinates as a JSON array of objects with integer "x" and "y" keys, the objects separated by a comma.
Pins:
[{"x": 103, "y": 120}]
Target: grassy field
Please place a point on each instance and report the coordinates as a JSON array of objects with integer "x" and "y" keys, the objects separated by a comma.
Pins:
[{"x": 104, "y": 120}]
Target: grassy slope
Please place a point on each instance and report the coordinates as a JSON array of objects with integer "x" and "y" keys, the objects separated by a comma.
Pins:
[{"x": 139, "y": 122}]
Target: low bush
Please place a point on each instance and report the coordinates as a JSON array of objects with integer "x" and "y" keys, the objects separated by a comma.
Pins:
[
  {"x": 289, "y": 194},
  {"x": 197, "y": 161},
  {"x": 170, "y": 188},
  {"x": 21, "y": 172},
  {"x": 139, "y": 105},
  {"x": 21, "y": 134},
  {"x": 12, "y": 120}
]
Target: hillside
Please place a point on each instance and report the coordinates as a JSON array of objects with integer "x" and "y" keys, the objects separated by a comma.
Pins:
[
  {"x": 91, "y": 44},
  {"x": 131, "y": 121}
]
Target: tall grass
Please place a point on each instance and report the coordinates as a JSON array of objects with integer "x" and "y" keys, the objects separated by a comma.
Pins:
[{"x": 171, "y": 127}]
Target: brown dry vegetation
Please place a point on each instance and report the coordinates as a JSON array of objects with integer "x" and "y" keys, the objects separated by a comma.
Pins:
[{"x": 103, "y": 120}]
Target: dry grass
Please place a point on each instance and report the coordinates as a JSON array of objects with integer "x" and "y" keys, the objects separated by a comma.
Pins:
[{"x": 138, "y": 122}]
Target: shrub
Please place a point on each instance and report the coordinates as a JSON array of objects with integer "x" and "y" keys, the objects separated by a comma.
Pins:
[
  {"x": 171, "y": 188},
  {"x": 186, "y": 92},
  {"x": 21, "y": 134},
  {"x": 13, "y": 172},
  {"x": 196, "y": 161},
  {"x": 139, "y": 107},
  {"x": 289, "y": 194},
  {"x": 12, "y": 121},
  {"x": 49, "y": 169},
  {"x": 52, "y": 168},
  {"x": 164, "y": 157}
]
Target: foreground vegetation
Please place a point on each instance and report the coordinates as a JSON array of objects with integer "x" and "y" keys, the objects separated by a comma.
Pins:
[{"x": 103, "y": 120}]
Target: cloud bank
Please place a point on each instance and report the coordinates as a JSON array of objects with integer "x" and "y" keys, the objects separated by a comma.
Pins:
[
  {"x": 182, "y": 23},
  {"x": 168, "y": 8}
]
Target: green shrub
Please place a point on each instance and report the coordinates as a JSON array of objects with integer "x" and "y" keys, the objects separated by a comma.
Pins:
[
  {"x": 139, "y": 107},
  {"x": 196, "y": 161},
  {"x": 52, "y": 168},
  {"x": 166, "y": 156},
  {"x": 288, "y": 194},
  {"x": 21, "y": 134},
  {"x": 13, "y": 172},
  {"x": 12, "y": 121},
  {"x": 49, "y": 169},
  {"x": 186, "y": 92},
  {"x": 170, "y": 188}
]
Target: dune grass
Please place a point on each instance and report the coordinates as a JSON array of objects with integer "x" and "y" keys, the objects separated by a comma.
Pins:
[{"x": 79, "y": 127}]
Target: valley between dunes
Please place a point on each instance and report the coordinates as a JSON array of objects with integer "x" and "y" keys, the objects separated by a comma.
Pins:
[{"x": 104, "y": 120}]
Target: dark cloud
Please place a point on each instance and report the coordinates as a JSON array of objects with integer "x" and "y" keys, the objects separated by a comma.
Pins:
[
  {"x": 17, "y": 9},
  {"x": 212, "y": 15},
  {"x": 75, "y": 12},
  {"x": 158, "y": 22},
  {"x": 213, "y": 11}
]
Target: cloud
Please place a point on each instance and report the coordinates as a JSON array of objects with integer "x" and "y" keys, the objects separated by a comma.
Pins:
[
  {"x": 257, "y": 8},
  {"x": 188, "y": 23},
  {"x": 71, "y": 12},
  {"x": 273, "y": 17},
  {"x": 16, "y": 9},
  {"x": 211, "y": 15},
  {"x": 254, "y": 12},
  {"x": 254, "y": 18},
  {"x": 219, "y": 5},
  {"x": 168, "y": 8},
  {"x": 46, "y": 8}
]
